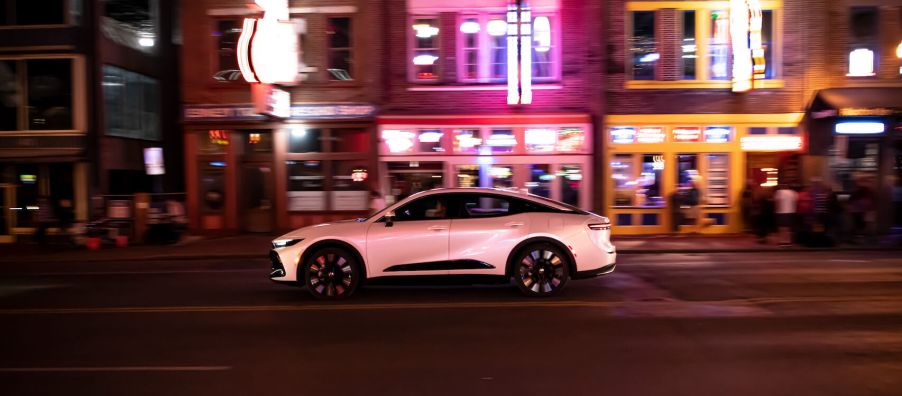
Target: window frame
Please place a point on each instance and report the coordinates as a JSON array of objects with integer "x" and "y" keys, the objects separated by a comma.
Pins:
[
  {"x": 702, "y": 36},
  {"x": 485, "y": 47},
  {"x": 327, "y": 45},
  {"x": 78, "y": 89},
  {"x": 412, "y": 49},
  {"x": 68, "y": 18}
]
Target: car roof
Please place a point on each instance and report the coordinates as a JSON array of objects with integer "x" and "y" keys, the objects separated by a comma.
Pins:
[{"x": 496, "y": 191}]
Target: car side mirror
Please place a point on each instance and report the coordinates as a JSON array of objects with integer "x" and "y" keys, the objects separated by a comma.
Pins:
[{"x": 389, "y": 218}]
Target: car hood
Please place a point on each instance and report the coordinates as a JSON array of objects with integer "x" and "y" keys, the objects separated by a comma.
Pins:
[{"x": 340, "y": 227}]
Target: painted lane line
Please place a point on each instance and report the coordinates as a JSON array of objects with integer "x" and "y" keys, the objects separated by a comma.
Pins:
[{"x": 110, "y": 369}]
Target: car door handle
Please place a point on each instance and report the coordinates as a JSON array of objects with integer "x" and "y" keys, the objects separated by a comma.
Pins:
[
  {"x": 437, "y": 228},
  {"x": 514, "y": 224}
]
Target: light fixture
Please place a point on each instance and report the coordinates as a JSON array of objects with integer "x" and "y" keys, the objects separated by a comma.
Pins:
[
  {"x": 541, "y": 33},
  {"x": 298, "y": 131},
  {"x": 496, "y": 27},
  {"x": 424, "y": 60},
  {"x": 861, "y": 63},
  {"x": 145, "y": 42},
  {"x": 647, "y": 58},
  {"x": 859, "y": 127},
  {"x": 469, "y": 27},
  {"x": 425, "y": 30},
  {"x": 771, "y": 143}
]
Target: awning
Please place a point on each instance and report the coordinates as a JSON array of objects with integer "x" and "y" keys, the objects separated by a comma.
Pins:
[
  {"x": 847, "y": 102},
  {"x": 859, "y": 101}
]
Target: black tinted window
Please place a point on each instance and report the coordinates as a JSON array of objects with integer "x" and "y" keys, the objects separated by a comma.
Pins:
[
  {"x": 474, "y": 205},
  {"x": 426, "y": 208}
]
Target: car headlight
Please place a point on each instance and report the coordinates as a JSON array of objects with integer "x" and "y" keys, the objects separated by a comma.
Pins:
[{"x": 280, "y": 243}]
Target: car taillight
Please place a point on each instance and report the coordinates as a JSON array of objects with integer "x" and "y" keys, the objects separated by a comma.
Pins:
[{"x": 600, "y": 226}]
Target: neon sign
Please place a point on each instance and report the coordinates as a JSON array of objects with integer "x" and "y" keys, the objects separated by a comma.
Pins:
[
  {"x": 650, "y": 135},
  {"x": 716, "y": 134},
  {"x": 859, "y": 127},
  {"x": 519, "y": 52},
  {"x": 771, "y": 143},
  {"x": 268, "y": 47},
  {"x": 687, "y": 134},
  {"x": 746, "y": 19},
  {"x": 623, "y": 135}
]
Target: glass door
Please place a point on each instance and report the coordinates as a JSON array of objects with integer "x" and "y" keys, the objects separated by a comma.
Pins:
[{"x": 257, "y": 197}]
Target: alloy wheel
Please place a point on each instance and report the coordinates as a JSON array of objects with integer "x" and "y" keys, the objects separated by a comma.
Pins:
[
  {"x": 331, "y": 274},
  {"x": 541, "y": 271}
]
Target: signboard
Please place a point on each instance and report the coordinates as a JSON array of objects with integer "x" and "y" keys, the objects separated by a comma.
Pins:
[
  {"x": 623, "y": 135},
  {"x": 271, "y": 100},
  {"x": 268, "y": 47},
  {"x": 686, "y": 134},
  {"x": 246, "y": 112},
  {"x": 153, "y": 161},
  {"x": 718, "y": 134},
  {"x": 771, "y": 143},
  {"x": 650, "y": 135}
]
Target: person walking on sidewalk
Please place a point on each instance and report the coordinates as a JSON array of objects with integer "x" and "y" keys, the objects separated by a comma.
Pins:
[
  {"x": 785, "y": 201},
  {"x": 764, "y": 224}
]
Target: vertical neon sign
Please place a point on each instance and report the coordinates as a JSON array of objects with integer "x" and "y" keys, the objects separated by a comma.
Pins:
[
  {"x": 746, "y": 20},
  {"x": 519, "y": 52}
]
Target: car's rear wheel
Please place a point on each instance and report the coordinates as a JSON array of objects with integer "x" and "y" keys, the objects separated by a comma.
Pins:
[
  {"x": 331, "y": 273},
  {"x": 541, "y": 270}
]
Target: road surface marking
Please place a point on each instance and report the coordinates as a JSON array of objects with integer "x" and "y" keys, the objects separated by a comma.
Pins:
[
  {"x": 849, "y": 261},
  {"x": 110, "y": 369},
  {"x": 645, "y": 306}
]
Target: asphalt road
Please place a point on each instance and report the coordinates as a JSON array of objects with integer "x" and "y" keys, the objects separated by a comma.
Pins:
[{"x": 716, "y": 324}]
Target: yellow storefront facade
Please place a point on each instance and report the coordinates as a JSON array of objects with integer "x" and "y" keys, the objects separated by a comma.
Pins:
[{"x": 652, "y": 160}]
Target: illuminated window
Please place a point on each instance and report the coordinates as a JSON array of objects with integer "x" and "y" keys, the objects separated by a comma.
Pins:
[
  {"x": 624, "y": 183},
  {"x": 431, "y": 141},
  {"x": 863, "y": 40},
  {"x": 571, "y": 140},
  {"x": 571, "y": 182},
  {"x": 305, "y": 140},
  {"x": 398, "y": 141},
  {"x": 467, "y": 141},
  {"x": 540, "y": 139},
  {"x": 482, "y": 48},
  {"x": 716, "y": 184},
  {"x": 689, "y": 53},
  {"x": 643, "y": 46},
  {"x": 340, "y": 62},
  {"x": 502, "y": 141},
  {"x": 719, "y": 46},
  {"x": 469, "y": 31},
  {"x": 306, "y": 188},
  {"x": 350, "y": 187},
  {"x": 425, "y": 56},
  {"x": 540, "y": 178}
]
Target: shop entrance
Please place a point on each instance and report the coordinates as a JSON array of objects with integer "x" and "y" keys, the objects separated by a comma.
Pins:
[
  {"x": 256, "y": 193},
  {"x": 771, "y": 169}
]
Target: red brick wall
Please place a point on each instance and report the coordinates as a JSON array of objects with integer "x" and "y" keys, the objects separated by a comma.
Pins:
[{"x": 199, "y": 55}]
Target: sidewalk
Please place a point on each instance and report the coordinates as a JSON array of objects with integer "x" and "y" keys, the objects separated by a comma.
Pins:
[{"x": 256, "y": 246}]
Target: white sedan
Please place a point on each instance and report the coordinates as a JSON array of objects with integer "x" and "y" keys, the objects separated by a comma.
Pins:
[{"x": 536, "y": 242}]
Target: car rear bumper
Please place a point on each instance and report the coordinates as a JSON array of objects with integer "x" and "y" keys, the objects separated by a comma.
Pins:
[{"x": 605, "y": 269}]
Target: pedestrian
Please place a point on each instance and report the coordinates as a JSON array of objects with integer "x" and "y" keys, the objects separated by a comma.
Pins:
[
  {"x": 747, "y": 206},
  {"x": 785, "y": 201},
  {"x": 804, "y": 213},
  {"x": 676, "y": 212},
  {"x": 764, "y": 225},
  {"x": 861, "y": 207},
  {"x": 377, "y": 202}
]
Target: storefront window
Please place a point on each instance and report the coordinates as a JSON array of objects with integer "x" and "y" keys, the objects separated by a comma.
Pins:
[
  {"x": 643, "y": 45},
  {"x": 431, "y": 141},
  {"x": 305, "y": 140},
  {"x": 502, "y": 176},
  {"x": 305, "y": 186},
  {"x": 540, "y": 178},
  {"x": 28, "y": 197},
  {"x": 398, "y": 141},
  {"x": 467, "y": 141},
  {"x": 687, "y": 169},
  {"x": 718, "y": 179},
  {"x": 349, "y": 185},
  {"x": 542, "y": 48},
  {"x": 215, "y": 141},
  {"x": 350, "y": 140},
  {"x": 502, "y": 141},
  {"x": 540, "y": 140},
  {"x": 650, "y": 180},
  {"x": 571, "y": 180},
  {"x": 468, "y": 176},
  {"x": 624, "y": 184},
  {"x": 226, "y": 36},
  {"x": 571, "y": 140},
  {"x": 497, "y": 30},
  {"x": 257, "y": 142},
  {"x": 469, "y": 30}
]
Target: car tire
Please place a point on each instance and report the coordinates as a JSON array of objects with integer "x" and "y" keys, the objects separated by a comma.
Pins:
[
  {"x": 331, "y": 273},
  {"x": 540, "y": 270}
]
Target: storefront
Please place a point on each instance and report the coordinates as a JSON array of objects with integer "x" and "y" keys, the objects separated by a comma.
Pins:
[
  {"x": 651, "y": 159},
  {"x": 548, "y": 155},
  {"x": 248, "y": 173},
  {"x": 856, "y": 140}
]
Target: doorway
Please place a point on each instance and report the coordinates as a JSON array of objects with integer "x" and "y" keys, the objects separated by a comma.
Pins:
[
  {"x": 256, "y": 191},
  {"x": 6, "y": 194}
]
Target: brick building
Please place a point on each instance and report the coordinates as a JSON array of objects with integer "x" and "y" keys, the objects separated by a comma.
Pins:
[
  {"x": 246, "y": 172},
  {"x": 457, "y": 109},
  {"x": 677, "y": 113},
  {"x": 86, "y": 87}
]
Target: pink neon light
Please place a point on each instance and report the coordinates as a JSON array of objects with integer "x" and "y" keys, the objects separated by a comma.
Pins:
[{"x": 244, "y": 42}]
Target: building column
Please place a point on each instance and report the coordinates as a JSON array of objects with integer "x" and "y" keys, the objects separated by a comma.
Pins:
[{"x": 80, "y": 195}]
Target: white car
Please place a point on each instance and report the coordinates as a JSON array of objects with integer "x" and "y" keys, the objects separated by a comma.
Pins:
[{"x": 537, "y": 242}]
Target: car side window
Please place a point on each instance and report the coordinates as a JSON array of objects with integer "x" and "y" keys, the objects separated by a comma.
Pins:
[
  {"x": 426, "y": 208},
  {"x": 484, "y": 205}
]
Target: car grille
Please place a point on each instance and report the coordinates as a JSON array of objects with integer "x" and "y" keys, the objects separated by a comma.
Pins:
[{"x": 278, "y": 270}]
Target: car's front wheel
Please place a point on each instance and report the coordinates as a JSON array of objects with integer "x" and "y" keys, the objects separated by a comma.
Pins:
[
  {"x": 331, "y": 273},
  {"x": 541, "y": 270}
]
